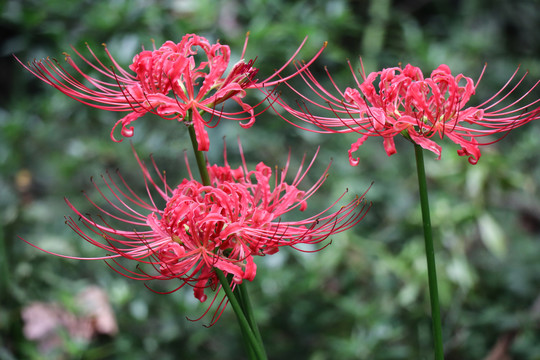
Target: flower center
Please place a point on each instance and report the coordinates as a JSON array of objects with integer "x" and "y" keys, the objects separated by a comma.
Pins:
[{"x": 213, "y": 217}]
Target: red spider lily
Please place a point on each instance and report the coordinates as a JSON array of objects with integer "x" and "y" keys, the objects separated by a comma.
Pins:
[
  {"x": 172, "y": 81},
  {"x": 204, "y": 228},
  {"x": 404, "y": 102}
]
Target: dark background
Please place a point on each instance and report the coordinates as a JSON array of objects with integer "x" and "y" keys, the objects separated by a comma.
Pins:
[{"x": 363, "y": 297}]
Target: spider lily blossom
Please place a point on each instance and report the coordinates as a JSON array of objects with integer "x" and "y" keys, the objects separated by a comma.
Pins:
[
  {"x": 400, "y": 101},
  {"x": 169, "y": 81},
  {"x": 203, "y": 228}
]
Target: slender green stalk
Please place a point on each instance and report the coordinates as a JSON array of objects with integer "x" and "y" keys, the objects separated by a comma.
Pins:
[
  {"x": 239, "y": 300},
  {"x": 430, "y": 255},
  {"x": 199, "y": 156},
  {"x": 246, "y": 329},
  {"x": 244, "y": 300},
  {"x": 239, "y": 291}
]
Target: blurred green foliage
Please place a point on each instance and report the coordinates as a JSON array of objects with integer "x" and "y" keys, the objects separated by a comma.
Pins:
[{"x": 365, "y": 296}]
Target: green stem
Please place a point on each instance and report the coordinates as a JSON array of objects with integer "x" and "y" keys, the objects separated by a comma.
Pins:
[
  {"x": 246, "y": 308},
  {"x": 239, "y": 300},
  {"x": 430, "y": 255},
  {"x": 199, "y": 156},
  {"x": 256, "y": 347},
  {"x": 243, "y": 296}
]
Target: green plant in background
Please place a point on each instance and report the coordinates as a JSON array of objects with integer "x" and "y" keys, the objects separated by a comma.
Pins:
[{"x": 486, "y": 216}]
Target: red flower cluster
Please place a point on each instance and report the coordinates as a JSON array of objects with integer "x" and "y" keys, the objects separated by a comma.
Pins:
[
  {"x": 204, "y": 228},
  {"x": 177, "y": 81},
  {"x": 403, "y": 102}
]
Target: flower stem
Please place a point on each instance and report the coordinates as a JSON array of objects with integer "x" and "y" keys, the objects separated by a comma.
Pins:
[
  {"x": 199, "y": 156},
  {"x": 243, "y": 298},
  {"x": 239, "y": 300},
  {"x": 430, "y": 255},
  {"x": 254, "y": 345}
]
